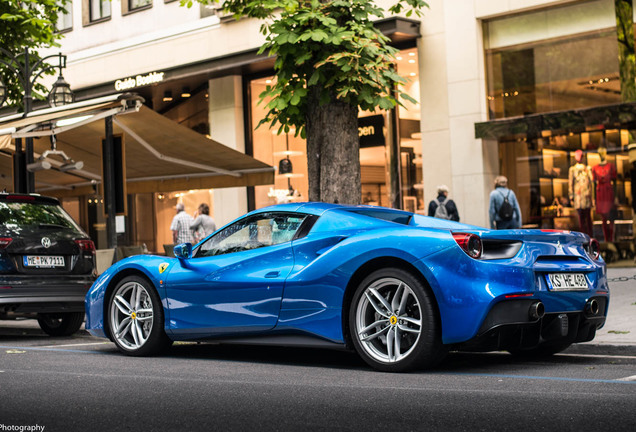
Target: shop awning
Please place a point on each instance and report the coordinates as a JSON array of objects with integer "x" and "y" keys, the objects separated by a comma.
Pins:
[
  {"x": 160, "y": 154},
  {"x": 536, "y": 125}
]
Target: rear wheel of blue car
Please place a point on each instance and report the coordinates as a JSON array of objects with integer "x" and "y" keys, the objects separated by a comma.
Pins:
[
  {"x": 135, "y": 317},
  {"x": 394, "y": 322}
]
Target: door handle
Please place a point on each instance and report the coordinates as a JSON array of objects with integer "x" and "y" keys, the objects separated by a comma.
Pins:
[{"x": 272, "y": 274}]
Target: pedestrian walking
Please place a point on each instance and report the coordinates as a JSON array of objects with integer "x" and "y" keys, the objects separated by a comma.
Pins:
[
  {"x": 504, "y": 208},
  {"x": 442, "y": 207},
  {"x": 180, "y": 226}
]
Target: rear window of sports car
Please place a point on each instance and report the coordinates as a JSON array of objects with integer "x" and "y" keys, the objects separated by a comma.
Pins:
[{"x": 401, "y": 218}]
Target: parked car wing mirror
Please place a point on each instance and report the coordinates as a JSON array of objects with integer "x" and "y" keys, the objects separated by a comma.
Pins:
[{"x": 183, "y": 251}]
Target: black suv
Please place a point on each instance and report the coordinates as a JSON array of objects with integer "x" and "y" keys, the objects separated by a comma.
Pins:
[{"x": 47, "y": 263}]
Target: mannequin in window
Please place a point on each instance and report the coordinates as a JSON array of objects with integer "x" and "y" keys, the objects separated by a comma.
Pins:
[
  {"x": 604, "y": 176},
  {"x": 581, "y": 187}
]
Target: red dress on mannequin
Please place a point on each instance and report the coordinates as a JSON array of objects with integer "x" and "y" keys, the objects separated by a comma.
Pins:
[{"x": 604, "y": 175}]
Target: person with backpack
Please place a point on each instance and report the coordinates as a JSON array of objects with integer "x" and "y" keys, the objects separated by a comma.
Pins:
[
  {"x": 504, "y": 210},
  {"x": 441, "y": 207}
]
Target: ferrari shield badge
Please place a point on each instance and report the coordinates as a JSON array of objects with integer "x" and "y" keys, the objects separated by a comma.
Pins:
[{"x": 163, "y": 267}]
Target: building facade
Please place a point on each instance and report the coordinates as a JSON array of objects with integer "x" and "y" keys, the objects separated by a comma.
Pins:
[{"x": 482, "y": 71}]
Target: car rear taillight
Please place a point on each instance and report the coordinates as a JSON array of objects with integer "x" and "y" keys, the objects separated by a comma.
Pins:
[
  {"x": 470, "y": 243},
  {"x": 86, "y": 245},
  {"x": 594, "y": 249},
  {"x": 5, "y": 241}
]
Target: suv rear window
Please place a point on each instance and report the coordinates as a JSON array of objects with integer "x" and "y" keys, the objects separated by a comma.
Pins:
[{"x": 17, "y": 214}]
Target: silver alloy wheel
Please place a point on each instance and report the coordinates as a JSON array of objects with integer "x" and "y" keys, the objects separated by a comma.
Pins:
[
  {"x": 388, "y": 320},
  {"x": 131, "y": 315}
]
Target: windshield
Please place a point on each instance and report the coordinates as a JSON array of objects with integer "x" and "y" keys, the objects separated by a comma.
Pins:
[{"x": 20, "y": 214}]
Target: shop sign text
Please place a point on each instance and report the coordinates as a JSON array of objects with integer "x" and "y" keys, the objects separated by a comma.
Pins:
[
  {"x": 139, "y": 81},
  {"x": 371, "y": 131}
]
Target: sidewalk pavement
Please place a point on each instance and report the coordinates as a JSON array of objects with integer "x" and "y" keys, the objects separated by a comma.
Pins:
[{"x": 618, "y": 336}]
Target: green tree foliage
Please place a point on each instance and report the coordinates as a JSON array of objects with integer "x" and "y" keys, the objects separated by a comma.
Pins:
[
  {"x": 626, "y": 57},
  {"x": 331, "y": 45},
  {"x": 27, "y": 24},
  {"x": 328, "y": 52}
]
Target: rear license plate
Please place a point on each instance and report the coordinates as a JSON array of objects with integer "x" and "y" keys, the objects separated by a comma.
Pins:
[
  {"x": 567, "y": 282},
  {"x": 43, "y": 261}
]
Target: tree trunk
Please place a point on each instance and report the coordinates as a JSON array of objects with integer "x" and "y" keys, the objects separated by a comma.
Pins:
[{"x": 333, "y": 151}]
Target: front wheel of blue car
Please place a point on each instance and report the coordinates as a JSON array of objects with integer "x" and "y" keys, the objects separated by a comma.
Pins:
[
  {"x": 135, "y": 317},
  {"x": 394, "y": 323}
]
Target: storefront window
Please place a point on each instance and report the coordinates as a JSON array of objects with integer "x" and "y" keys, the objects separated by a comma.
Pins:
[
  {"x": 539, "y": 172},
  {"x": 558, "y": 59},
  {"x": 289, "y": 155},
  {"x": 165, "y": 208},
  {"x": 187, "y": 107},
  {"x": 410, "y": 134}
]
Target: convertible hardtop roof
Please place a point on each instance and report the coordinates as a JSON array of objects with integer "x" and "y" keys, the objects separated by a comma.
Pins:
[{"x": 319, "y": 208}]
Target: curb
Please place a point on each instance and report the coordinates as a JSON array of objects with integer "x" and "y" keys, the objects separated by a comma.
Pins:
[{"x": 602, "y": 349}]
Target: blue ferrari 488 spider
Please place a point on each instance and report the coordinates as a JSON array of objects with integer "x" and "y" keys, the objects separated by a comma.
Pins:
[{"x": 398, "y": 288}]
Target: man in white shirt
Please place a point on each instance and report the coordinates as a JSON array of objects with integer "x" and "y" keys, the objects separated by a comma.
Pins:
[{"x": 181, "y": 232}]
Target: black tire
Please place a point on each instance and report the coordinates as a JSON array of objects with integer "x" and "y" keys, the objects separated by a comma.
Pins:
[
  {"x": 61, "y": 324},
  {"x": 419, "y": 345},
  {"x": 544, "y": 350},
  {"x": 141, "y": 325}
]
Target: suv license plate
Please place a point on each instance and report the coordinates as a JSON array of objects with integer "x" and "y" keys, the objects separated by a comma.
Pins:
[
  {"x": 43, "y": 261},
  {"x": 568, "y": 282}
]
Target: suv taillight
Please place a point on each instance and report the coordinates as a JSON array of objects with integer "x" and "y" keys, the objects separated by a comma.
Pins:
[
  {"x": 20, "y": 198},
  {"x": 86, "y": 245},
  {"x": 5, "y": 241},
  {"x": 470, "y": 243}
]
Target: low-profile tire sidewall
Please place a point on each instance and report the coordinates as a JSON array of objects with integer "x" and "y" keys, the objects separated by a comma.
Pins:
[
  {"x": 429, "y": 350},
  {"x": 157, "y": 340}
]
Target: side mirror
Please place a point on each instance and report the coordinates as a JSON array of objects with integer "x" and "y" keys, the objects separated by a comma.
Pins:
[{"x": 183, "y": 251}]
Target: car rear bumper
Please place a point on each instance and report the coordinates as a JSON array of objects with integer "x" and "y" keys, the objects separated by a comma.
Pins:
[
  {"x": 467, "y": 291},
  {"x": 26, "y": 294},
  {"x": 515, "y": 324}
]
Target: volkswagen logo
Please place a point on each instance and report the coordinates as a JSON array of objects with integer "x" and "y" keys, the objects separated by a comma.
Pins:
[{"x": 46, "y": 242}]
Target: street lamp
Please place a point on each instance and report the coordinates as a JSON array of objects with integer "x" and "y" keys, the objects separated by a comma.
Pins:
[
  {"x": 27, "y": 74},
  {"x": 61, "y": 93}
]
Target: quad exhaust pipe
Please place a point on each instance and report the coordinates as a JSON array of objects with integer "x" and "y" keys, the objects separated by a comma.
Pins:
[
  {"x": 536, "y": 311},
  {"x": 591, "y": 308}
]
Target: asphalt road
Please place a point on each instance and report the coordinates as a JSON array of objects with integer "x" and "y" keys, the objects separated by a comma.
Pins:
[{"x": 84, "y": 384}]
